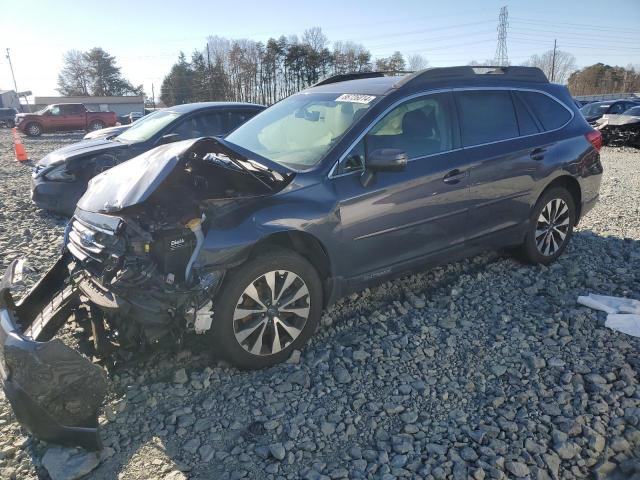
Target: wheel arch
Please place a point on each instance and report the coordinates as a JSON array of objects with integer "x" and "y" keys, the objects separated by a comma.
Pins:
[
  {"x": 305, "y": 244},
  {"x": 572, "y": 186}
]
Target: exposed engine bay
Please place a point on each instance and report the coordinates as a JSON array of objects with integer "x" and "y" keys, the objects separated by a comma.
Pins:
[
  {"x": 620, "y": 130},
  {"x": 143, "y": 256}
]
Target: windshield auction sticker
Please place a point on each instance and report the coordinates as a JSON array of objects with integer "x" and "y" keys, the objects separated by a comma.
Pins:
[{"x": 355, "y": 98}]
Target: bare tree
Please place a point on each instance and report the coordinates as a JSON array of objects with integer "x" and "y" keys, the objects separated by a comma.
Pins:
[
  {"x": 417, "y": 62},
  {"x": 74, "y": 78},
  {"x": 559, "y": 67},
  {"x": 315, "y": 39},
  {"x": 350, "y": 57}
]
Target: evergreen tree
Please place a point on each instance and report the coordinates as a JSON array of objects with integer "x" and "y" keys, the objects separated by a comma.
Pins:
[
  {"x": 177, "y": 87},
  {"x": 106, "y": 79}
]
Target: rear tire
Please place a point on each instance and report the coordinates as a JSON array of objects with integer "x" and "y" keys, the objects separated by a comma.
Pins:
[
  {"x": 33, "y": 129},
  {"x": 254, "y": 333},
  {"x": 550, "y": 227},
  {"x": 96, "y": 125}
]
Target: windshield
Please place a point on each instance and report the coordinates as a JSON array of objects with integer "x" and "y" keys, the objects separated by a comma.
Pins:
[
  {"x": 298, "y": 131},
  {"x": 148, "y": 126},
  {"x": 595, "y": 109},
  {"x": 633, "y": 111}
]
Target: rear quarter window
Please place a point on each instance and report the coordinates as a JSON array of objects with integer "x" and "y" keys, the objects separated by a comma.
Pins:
[
  {"x": 486, "y": 116},
  {"x": 526, "y": 123},
  {"x": 550, "y": 112}
]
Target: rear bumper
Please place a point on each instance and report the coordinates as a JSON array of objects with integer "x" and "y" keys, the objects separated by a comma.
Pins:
[
  {"x": 59, "y": 197},
  {"x": 55, "y": 392}
]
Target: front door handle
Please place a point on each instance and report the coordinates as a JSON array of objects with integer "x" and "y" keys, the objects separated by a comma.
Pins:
[
  {"x": 454, "y": 176},
  {"x": 537, "y": 153}
]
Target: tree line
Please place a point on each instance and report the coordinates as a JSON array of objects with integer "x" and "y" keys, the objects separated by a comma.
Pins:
[
  {"x": 600, "y": 78},
  {"x": 250, "y": 71}
]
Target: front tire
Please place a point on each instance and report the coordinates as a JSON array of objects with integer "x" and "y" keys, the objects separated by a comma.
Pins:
[
  {"x": 266, "y": 308},
  {"x": 550, "y": 227},
  {"x": 34, "y": 129}
]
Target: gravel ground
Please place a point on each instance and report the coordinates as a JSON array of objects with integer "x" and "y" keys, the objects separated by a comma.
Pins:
[{"x": 485, "y": 368}]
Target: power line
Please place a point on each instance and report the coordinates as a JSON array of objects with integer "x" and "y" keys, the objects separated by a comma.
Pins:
[
  {"x": 482, "y": 35},
  {"x": 582, "y": 25},
  {"x": 422, "y": 30},
  {"x": 628, "y": 50},
  {"x": 534, "y": 32}
]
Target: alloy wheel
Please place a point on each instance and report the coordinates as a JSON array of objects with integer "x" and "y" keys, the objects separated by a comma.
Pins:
[
  {"x": 34, "y": 129},
  {"x": 552, "y": 227},
  {"x": 271, "y": 312}
]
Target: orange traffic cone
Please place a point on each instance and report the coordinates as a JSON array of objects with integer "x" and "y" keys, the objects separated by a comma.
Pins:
[{"x": 21, "y": 153}]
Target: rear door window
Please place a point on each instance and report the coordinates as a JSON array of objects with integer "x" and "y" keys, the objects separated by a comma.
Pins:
[
  {"x": 486, "y": 116},
  {"x": 551, "y": 113},
  {"x": 71, "y": 109}
]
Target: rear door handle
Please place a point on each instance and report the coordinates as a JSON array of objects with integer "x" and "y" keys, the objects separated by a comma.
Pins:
[
  {"x": 537, "y": 153},
  {"x": 454, "y": 176}
]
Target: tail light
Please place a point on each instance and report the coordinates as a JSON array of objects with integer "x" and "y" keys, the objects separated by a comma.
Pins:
[{"x": 595, "y": 139}]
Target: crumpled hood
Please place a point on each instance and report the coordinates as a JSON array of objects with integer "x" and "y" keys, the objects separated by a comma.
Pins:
[
  {"x": 80, "y": 149},
  {"x": 133, "y": 181},
  {"x": 617, "y": 119}
]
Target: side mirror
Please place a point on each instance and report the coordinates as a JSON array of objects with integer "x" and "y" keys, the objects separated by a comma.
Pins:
[
  {"x": 383, "y": 160},
  {"x": 169, "y": 138}
]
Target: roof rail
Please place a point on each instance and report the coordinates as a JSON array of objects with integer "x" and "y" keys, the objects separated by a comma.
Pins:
[
  {"x": 524, "y": 74},
  {"x": 343, "y": 77}
]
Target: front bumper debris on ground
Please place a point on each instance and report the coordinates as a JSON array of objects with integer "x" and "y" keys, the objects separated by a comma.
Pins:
[{"x": 55, "y": 392}]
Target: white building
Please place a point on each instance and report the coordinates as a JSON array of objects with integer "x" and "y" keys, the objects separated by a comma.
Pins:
[{"x": 121, "y": 105}]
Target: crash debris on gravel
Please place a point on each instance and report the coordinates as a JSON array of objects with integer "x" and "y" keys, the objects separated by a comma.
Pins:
[{"x": 485, "y": 368}]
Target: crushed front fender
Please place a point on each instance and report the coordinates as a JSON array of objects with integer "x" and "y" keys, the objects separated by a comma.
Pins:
[{"x": 55, "y": 392}]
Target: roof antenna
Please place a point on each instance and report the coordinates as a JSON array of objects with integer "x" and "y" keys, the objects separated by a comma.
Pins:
[{"x": 501, "y": 58}]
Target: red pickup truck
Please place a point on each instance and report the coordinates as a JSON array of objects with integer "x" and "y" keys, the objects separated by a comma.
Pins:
[{"x": 63, "y": 117}]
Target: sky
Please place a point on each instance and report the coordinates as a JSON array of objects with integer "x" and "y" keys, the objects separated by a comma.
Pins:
[{"x": 146, "y": 36}]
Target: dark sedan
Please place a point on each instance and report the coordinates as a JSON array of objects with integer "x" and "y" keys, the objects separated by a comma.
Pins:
[
  {"x": 594, "y": 111},
  {"x": 60, "y": 178}
]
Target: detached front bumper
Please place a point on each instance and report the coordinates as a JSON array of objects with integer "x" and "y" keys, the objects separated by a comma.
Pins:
[{"x": 55, "y": 392}]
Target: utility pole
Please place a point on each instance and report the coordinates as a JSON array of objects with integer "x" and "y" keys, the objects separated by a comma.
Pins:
[
  {"x": 153, "y": 97},
  {"x": 210, "y": 79},
  {"x": 553, "y": 61},
  {"x": 13, "y": 76},
  {"x": 501, "y": 58}
]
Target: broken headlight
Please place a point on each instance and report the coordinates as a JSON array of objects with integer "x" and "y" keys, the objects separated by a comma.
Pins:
[{"x": 59, "y": 174}]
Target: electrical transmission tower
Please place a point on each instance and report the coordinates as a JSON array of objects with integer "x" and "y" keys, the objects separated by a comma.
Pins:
[{"x": 501, "y": 58}]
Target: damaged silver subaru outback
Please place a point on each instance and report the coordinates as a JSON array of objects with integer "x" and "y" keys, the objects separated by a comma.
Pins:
[{"x": 247, "y": 238}]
